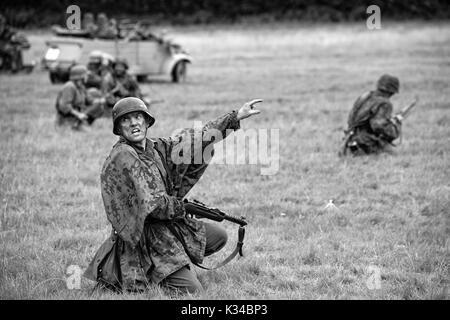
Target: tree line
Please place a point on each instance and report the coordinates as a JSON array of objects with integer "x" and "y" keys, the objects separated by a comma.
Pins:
[{"x": 42, "y": 13}]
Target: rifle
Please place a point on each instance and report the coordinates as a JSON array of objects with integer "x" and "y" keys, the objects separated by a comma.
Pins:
[
  {"x": 118, "y": 87},
  {"x": 400, "y": 116},
  {"x": 406, "y": 110},
  {"x": 198, "y": 209}
]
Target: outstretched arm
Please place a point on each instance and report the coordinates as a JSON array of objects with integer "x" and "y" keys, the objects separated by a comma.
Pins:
[
  {"x": 186, "y": 153},
  {"x": 198, "y": 139}
]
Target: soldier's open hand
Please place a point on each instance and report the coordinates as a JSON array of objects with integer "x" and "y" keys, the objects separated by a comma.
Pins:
[{"x": 248, "y": 109}]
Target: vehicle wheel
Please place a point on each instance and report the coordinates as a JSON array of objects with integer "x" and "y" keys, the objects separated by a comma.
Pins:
[
  {"x": 53, "y": 78},
  {"x": 141, "y": 78},
  {"x": 179, "y": 72},
  {"x": 28, "y": 69}
]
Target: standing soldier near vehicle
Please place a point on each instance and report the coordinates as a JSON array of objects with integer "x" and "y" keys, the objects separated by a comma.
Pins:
[
  {"x": 10, "y": 46},
  {"x": 75, "y": 105},
  {"x": 371, "y": 126},
  {"x": 119, "y": 84}
]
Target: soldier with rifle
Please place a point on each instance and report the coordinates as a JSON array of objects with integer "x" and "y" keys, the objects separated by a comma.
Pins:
[
  {"x": 155, "y": 231},
  {"x": 120, "y": 84},
  {"x": 372, "y": 128}
]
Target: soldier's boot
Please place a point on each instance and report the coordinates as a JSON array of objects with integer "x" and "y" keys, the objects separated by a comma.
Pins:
[{"x": 14, "y": 64}]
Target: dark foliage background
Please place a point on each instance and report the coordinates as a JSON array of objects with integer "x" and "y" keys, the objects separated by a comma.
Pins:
[{"x": 29, "y": 13}]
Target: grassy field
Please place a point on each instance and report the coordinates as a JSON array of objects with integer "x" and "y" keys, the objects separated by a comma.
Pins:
[{"x": 392, "y": 218}]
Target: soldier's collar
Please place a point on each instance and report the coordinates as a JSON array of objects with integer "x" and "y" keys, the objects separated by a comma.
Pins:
[
  {"x": 138, "y": 148},
  {"x": 382, "y": 93}
]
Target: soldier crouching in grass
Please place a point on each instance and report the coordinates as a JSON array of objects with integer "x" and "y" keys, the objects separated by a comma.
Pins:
[
  {"x": 77, "y": 106},
  {"x": 142, "y": 189},
  {"x": 371, "y": 125}
]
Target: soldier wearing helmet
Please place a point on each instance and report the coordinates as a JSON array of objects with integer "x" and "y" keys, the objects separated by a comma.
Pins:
[
  {"x": 120, "y": 84},
  {"x": 97, "y": 69},
  {"x": 372, "y": 128},
  {"x": 143, "y": 183},
  {"x": 75, "y": 105}
]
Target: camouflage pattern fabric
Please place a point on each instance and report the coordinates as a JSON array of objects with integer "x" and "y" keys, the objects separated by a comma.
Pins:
[
  {"x": 142, "y": 192},
  {"x": 370, "y": 124}
]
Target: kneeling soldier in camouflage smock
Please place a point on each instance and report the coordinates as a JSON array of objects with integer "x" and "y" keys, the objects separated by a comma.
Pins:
[
  {"x": 371, "y": 126},
  {"x": 143, "y": 183},
  {"x": 76, "y": 105}
]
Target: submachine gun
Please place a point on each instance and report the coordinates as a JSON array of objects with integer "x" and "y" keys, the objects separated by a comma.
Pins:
[{"x": 198, "y": 209}]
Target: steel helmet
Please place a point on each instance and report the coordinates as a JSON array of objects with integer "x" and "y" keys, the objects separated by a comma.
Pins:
[
  {"x": 108, "y": 59},
  {"x": 127, "y": 105},
  {"x": 122, "y": 61},
  {"x": 388, "y": 83},
  {"x": 77, "y": 72},
  {"x": 96, "y": 56}
]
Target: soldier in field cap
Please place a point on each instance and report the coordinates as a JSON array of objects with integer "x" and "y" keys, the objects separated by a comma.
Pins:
[
  {"x": 143, "y": 186},
  {"x": 372, "y": 128}
]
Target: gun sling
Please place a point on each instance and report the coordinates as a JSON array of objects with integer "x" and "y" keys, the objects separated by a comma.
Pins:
[{"x": 238, "y": 249}]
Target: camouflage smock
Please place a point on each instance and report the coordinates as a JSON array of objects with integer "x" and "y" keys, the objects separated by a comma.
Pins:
[
  {"x": 142, "y": 192},
  {"x": 372, "y": 123}
]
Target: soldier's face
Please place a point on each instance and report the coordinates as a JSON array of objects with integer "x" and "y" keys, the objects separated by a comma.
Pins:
[
  {"x": 80, "y": 82},
  {"x": 120, "y": 69},
  {"x": 93, "y": 65},
  {"x": 133, "y": 127}
]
